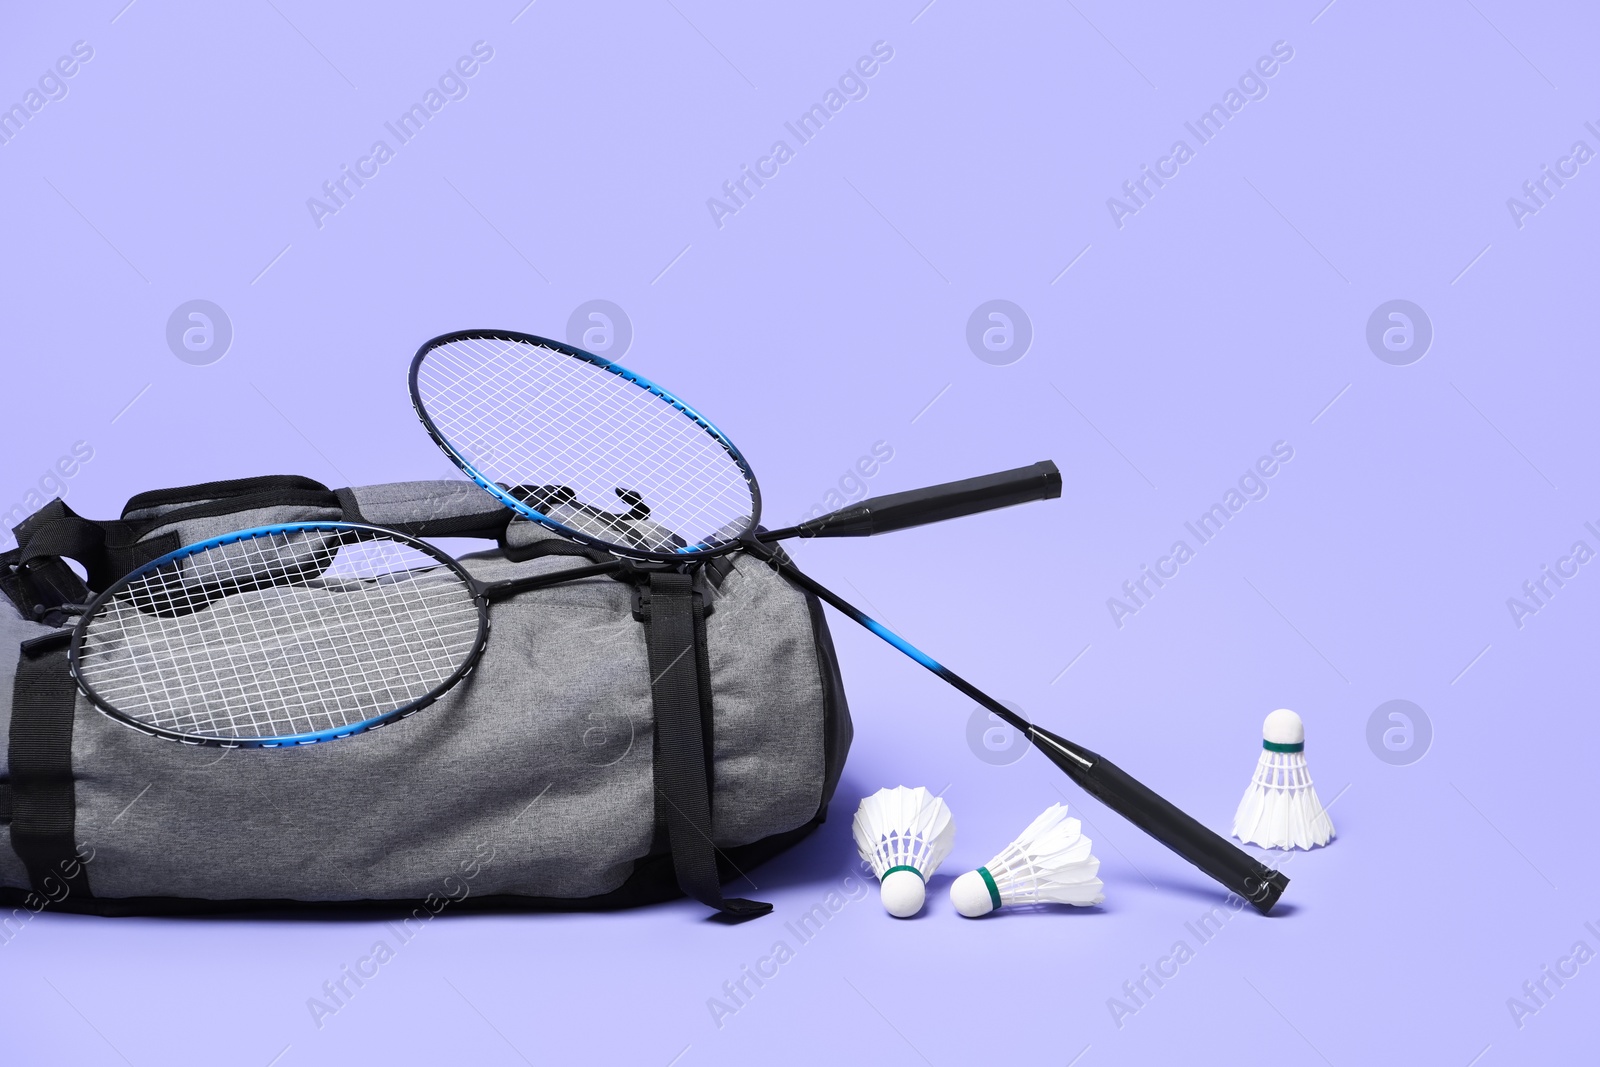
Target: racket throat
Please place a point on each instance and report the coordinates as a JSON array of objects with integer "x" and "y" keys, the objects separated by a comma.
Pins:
[{"x": 1060, "y": 751}]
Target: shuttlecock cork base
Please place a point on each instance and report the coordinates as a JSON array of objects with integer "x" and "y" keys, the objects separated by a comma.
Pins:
[
  {"x": 903, "y": 835},
  {"x": 1049, "y": 863},
  {"x": 1280, "y": 809}
]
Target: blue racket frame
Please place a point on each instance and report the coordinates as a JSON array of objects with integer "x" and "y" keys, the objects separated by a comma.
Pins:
[
  {"x": 74, "y": 652},
  {"x": 521, "y": 507}
]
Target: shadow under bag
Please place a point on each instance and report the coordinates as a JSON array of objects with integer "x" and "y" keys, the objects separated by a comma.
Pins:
[{"x": 555, "y": 775}]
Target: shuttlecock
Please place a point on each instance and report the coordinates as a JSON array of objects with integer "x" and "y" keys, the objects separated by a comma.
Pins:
[
  {"x": 1049, "y": 863},
  {"x": 1281, "y": 809},
  {"x": 903, "y": 835}
]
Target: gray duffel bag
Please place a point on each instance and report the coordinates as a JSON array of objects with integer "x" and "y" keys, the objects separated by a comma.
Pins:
[{"x": 537, "y": 782}]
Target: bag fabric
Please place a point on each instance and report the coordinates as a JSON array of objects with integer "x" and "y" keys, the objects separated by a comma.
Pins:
[{"x": 537, "y": 781}]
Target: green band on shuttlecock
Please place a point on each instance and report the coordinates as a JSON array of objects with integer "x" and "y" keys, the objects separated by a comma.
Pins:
[
  {"x": 1273, "y": 746},
  {"x": 902, "y": 867},
  {"x": 988, "y": 880}
]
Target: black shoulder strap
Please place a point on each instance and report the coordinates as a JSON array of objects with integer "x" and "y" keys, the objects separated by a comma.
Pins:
[
  {"x": 43, "y": 805},
  {"x": 674, "y": 633}
]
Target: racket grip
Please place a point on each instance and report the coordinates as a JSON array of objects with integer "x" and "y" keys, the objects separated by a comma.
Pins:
[
  {"x": 916, "y": 507},
  {"x": 1232, "y": 867}
]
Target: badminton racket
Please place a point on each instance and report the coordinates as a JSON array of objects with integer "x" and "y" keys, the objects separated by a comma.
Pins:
[
  {"x": 550, "y": 430},
  {"x": 307, "y": 632},
  {"x": 286, "y": 635}
]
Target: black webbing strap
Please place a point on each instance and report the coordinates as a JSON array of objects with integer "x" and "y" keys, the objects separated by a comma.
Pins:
[
  {"x": 107, "y": 550},
  {"x": 57, "y": 530},
  {"x": 43, "y": 806},
  {"x": 682, "y": 708},
  {"x": 702, "y": 667}
]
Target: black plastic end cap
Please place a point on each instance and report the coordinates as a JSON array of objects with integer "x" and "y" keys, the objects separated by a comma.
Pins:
[
  {"x": 1053, "y": 474},
  {"x": 1272, "y": 888}
]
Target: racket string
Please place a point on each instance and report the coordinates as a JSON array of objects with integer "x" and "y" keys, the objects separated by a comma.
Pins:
[
  {"x": 632, "y": 406},
  {"x": 249, "y": 641},
  {"x": 521, "y": 414},
  {"x": 328, "y": 685}
]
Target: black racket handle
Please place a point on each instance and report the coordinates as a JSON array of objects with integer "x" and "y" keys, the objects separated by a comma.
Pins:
[
  {"x": 1232, "y": 867},
  {"x": 916, "y": 507}
]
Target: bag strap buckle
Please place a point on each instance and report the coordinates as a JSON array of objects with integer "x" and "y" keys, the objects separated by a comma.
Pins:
[
  {"x": 46, "y": 590},
  {"x": 637, "y": 574}
]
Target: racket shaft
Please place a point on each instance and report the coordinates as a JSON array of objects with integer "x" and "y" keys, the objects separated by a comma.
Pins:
[
  {"x": 917, "y": 507},
  {"x": 513, "y": 586},
  {"x": 1231, "y": 867}
]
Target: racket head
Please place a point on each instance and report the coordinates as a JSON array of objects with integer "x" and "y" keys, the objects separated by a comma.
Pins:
[
  {"x": 280, "y": 636},
  {"x": 520, "y": 414}
]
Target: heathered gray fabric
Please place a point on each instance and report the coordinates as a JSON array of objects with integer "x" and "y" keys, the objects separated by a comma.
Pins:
[
  {"x": 764, "y": 673},
  {"x": 193, "y": 531},
  {"x": 139, "y": 514},
  {"x": 523, "y": 532},
  {"x": 617, "y": 530},
  {"x": 398, "y": 502},
  {"x": 392, "y": 813},
  {"x": 303, "y": 658},
  {"x": 12, "y": 871},
  {"x": 768, "y": 724},
  {"x": 544, "y": 755},
  {"x": 14, "y": 630}
]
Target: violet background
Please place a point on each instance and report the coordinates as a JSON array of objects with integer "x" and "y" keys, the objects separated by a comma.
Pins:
[{"x": 830, "y": 313}]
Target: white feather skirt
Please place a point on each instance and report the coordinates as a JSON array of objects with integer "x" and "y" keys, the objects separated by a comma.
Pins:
[{"x": 1281, "y": 809}]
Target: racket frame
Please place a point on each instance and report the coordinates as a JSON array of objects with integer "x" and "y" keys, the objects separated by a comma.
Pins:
[
  {"x": 79, "y": 631},
  {"x": 507, "y": 498}
]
